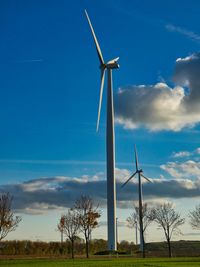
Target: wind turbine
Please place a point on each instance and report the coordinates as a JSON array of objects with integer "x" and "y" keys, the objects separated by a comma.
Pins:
[
  {"x": 110, "y": 138},
  {"x": 140, "y": 174}
]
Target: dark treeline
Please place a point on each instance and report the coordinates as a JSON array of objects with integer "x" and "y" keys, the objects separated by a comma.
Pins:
[
  {"x": 39, "y": 248},
  {"x": 97, "y": 246}
]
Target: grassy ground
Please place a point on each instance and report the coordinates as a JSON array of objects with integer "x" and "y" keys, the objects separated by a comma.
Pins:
[{"x": 159, "y": 262}]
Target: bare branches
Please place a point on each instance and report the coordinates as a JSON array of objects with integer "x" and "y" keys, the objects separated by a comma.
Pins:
[
  {"x": 169, "y": 220},
  {"x": 8, "y": 222},
  {"x": 147, "y": 217},
  {"x": 88, "y": 214},
  {"x": 195, "y": 217},
  {"x": 69, "y": 225}
]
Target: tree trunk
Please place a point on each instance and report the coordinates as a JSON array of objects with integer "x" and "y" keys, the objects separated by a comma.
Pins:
[
  {"x": 169, "y": 248},
  {"x": 87, "y": 247},
  {"x": 72, "y": 248}
]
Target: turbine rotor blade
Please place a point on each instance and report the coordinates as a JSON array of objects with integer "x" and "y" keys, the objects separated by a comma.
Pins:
[
  {"x": 146, "y": 178},
  {"x": 100, "y": 98},
  {"x": 136, "y": 158},
  {"x": 95, "y": 40},
  {"x": 129, "y": 179}
]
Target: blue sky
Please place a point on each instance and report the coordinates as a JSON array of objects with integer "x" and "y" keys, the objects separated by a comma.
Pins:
[{"x": 49, "y": 98}]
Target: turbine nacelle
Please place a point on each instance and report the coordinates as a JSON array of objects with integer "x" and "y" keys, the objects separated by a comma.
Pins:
[{"x": 112, "y": 64}]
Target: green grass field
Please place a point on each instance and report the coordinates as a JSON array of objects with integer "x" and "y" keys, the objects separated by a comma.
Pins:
[{"x": 159, "y": 262}]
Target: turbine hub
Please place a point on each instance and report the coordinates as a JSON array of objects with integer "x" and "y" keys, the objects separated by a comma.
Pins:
[{"x": 103, "y": 66}]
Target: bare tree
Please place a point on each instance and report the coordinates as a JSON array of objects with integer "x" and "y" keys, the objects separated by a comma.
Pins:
[
  {"x": 69, "y": 225},
  {"x": 88, "y": 214},
  {"x": 195, "y": 217},
  {"x": 8, "y": 222},
  {"x": 147, "y": 217},
  {"x": 169, "y": 220}
]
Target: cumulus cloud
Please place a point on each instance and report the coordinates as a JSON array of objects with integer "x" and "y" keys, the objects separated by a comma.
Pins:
[
  {"x": 184, "y": 168},
  {"x": 197, "y": 151},
  {"x": 42, "y": 195},
  {"x": 161, "y": 107},
  {"x": 122, "y": 174},
  {"x": 189, "y": 168}
]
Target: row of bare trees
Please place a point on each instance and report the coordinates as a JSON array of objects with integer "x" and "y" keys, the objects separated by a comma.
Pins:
[
  {"x": 167, "y": 219},
  {"x": 82, "y": 218}
]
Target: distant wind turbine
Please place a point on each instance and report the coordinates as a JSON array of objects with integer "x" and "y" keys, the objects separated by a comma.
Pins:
[
  {"x": 140, "y": 174},
  {"x": 110, "y": 139}
]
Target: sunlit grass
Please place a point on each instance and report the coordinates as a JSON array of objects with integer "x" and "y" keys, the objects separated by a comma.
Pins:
[{"x": 106, "y": 262}]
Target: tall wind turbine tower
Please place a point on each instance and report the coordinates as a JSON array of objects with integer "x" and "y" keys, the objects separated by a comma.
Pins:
[
  {"x": 110, "y": 139},
  {"x": 140, "y": 174}
]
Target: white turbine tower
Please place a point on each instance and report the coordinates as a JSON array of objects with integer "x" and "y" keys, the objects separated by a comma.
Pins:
[
  {"x": 110, "y": 139},
  {"x": 140, "y": 173}
]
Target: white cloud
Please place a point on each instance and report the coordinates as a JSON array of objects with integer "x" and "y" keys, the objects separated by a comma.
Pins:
[
  {"x": 181, "y": 154},
  {"x": 161, "y": 107},
  {"x": 185, "y": 154},
  {"x": 185, "y": 169},
  {"x": 40, "y": 208},
  {"x": 190, "y": 34},
  {"x": 171, "y": 168},
  {"x": 197, "y": 150},
  {"x": 122, "y": 174}
]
